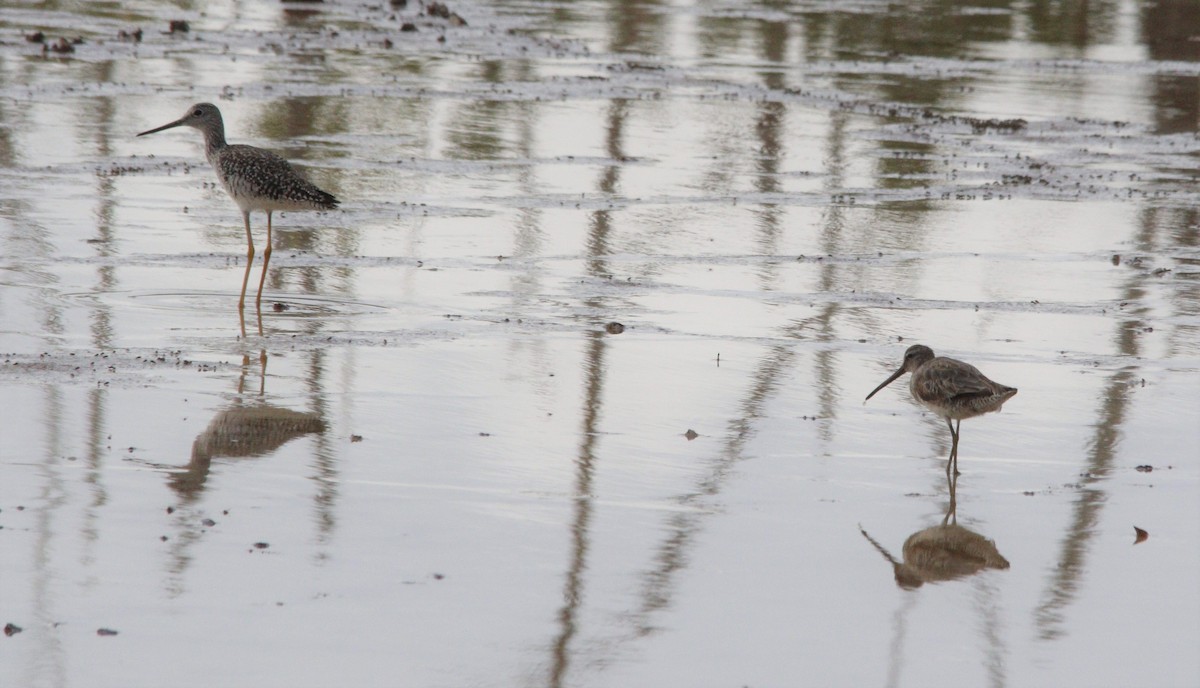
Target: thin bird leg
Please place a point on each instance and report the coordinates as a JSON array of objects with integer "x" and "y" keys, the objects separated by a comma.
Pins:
[
  {"x": 266, "y": 259},
  {"x": 951, "y": 462},
  {"x": 954, "y": 449},
  {"x": 249, "y": 260}
]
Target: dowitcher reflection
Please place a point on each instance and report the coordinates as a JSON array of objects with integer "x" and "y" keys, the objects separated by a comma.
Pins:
[{"x": 943, "y": 552}]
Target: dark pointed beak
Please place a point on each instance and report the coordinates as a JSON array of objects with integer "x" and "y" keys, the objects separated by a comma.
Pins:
[
  {"x": 176, "y": 123},
  {"x": 886, "y": 382}
]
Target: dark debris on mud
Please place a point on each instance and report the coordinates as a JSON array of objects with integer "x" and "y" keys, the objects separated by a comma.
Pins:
[{"x": 121, "y": 367}]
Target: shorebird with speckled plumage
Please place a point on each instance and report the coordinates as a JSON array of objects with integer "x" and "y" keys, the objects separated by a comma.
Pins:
[
  {"x": 254, "y": 178},
  {"x": 950, "y": 388}
]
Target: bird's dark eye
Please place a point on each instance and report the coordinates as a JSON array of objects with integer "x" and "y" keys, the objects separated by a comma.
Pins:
[{"x": 198, "y": 112}]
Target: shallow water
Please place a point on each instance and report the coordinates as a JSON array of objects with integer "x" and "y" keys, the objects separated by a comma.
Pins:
[{"x": 461, "y": 475}]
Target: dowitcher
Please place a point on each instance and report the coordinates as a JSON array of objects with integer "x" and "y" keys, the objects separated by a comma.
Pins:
[
  {"x": 950, "y": 388},
  {"x": 254, "y": 178}
]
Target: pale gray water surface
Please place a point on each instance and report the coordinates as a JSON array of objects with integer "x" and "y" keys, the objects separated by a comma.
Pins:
[{"x": 461, "y": 478}]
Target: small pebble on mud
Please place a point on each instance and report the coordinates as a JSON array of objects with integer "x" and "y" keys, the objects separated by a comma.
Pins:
[
  {"x": 261, "y": 545},
  {"x": 61, "y": 46},
  {"x": 691, "y": 434},
  {"x": 614, "y": 328},
  {"x": 105, "y": 631},
  {"x": 11, "y": 629}
]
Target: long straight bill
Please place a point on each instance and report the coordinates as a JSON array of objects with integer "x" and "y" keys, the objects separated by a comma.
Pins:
[{"x": 886, "y": 382}]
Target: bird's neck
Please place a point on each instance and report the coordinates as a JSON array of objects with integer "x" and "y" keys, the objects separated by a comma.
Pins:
[{"x": 214, "y": 141}]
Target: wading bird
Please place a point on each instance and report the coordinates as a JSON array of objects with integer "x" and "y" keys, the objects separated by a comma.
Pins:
[
  {"x": 950, "y": 388},
  {"x": 254, "y": 178}
]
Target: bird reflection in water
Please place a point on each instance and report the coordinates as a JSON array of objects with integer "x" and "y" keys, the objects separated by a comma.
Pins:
[
  {"x": 242, "y": 430},
  {"x": 942, "y": 553}
]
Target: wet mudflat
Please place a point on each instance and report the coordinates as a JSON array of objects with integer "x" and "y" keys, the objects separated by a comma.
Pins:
[{"x": 433, "y": 459}]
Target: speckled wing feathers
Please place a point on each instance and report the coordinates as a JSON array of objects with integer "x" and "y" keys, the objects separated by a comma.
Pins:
[{"x": 257, "y": 179}]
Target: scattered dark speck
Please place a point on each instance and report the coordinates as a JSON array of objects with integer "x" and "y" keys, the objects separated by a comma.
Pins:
[
  {"x": 261, "y": 545},
  {"x": 208, "y": 523},
  {"x": 356, "y": 438},
  {"x": 105, "y": 631},
  {"x": 62, "y": 46},
  {"x": 691, "y": 434},
  {"x": 11, "y": 629}
]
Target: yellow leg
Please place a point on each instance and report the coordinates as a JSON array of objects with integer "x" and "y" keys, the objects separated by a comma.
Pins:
[
  {"x": 249, "y": 260},
  {"x": 266, "y": 260}
]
